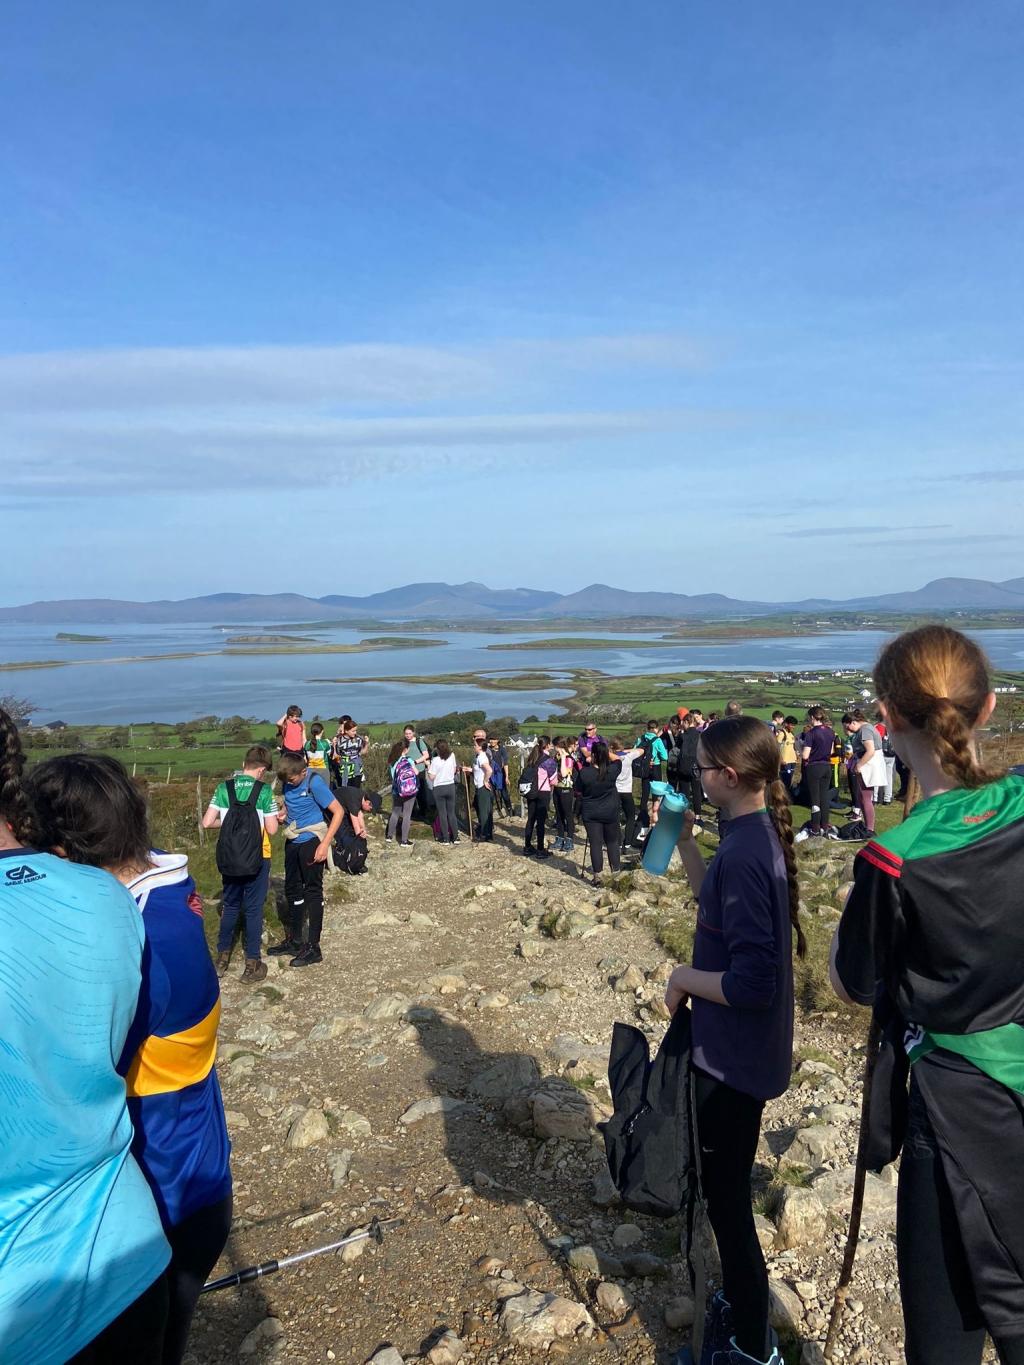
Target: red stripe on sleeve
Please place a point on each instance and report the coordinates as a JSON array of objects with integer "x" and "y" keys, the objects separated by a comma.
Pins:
[{"x": 870, "y": 855}]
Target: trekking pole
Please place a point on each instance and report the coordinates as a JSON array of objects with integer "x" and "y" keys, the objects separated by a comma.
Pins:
[
  {"x": 375, "y": 1233},
  {"x": 583, "y": 863},
  {"x": 857, "y": 1203},
  {"x": 469, "y": 809}
]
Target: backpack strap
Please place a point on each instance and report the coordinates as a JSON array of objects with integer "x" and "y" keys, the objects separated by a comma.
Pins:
[
  {"x": 254, "y": 793},
  {"x": 229, "y": 786}
]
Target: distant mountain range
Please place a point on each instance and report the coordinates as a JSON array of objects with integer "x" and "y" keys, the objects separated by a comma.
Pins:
[{"x": 472, "y": 601}]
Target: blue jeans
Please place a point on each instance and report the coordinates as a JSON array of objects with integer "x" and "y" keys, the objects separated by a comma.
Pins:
[{"x": 244, "y": 894}]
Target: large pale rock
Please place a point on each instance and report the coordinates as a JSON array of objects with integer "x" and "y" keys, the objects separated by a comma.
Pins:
[
  {"x": 785, "y": 1311},
  {"x": 338, "y": 1026},
  {"x": 386, "y": 1355},
  {"x": 627, "y": 1235},
  {"x": 425, "y": 1109},
  {"x": 447, "y": 1350},
  {"x": 536, "y": 1320},
  {"x": 530, "y": 947},
  {"x": 632, "y": 979},
  {"x": 505, "y": 1077},
  {"x": 562, "y": 1112},
  {"x": 380, "y": 918},
  {"x": 448, "y": 983},
  {"x": 339, "y": 1164},
  {"x": 592, "y": 1261},
  {"x": 614, "y": 1300},
  {"x": 386, "y": 1007},
  {"x": 308, "y": 1129},
  {"x": 835, "y": 1190},
  {"x": 802, "y": 1219},
  {"x": 813, "y": 1146},
  {"x": 259, "y": 1035},
  {"x": 354, "y": 1124},
  {"x": 270, "y": 1329}
]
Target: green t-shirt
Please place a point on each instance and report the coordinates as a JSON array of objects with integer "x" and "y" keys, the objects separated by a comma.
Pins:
[
  {"x": 265, "y": 803},
  {"x": 316, "y": 754}
]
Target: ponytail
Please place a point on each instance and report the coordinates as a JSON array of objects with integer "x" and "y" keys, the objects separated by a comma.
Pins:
[
  {"x": 777, "y": 801},
  {"x": 15, "y": 807}
]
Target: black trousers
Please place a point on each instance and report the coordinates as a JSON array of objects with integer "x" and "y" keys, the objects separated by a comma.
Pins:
[
  {"x": 728, "y": 1126},
  {"x": 943, "y": 1322},
  {"x": 565, "y": 815},
  {"x": 694, "y": 793},
  {"x": 137, "y": 1335},
  {"x": 644, "y": 817},
  {"x": 196, "y": 1244},
  {"x": 627, "y": 809},
  {"x": 819, "y": 791},
  {"x": 304, "y": 890},
  {"x": 536, "y": 816},
  {"x": 603, "y": 834}
]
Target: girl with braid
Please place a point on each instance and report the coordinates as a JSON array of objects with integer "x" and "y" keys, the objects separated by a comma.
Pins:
[
  {"x": 82, "y": 1252},
  {"x": 933, "y": 932},
  {"x": 740, "y": 989}
]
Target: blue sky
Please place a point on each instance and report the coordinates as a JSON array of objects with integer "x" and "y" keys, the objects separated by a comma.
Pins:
[{"x": 682, "y": 295}]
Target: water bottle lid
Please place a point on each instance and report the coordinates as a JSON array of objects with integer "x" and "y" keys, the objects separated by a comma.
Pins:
[{"x": 674, "y": 801}]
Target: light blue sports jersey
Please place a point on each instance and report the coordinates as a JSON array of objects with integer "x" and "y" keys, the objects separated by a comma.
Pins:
[{"x": 80, "y": 1236}]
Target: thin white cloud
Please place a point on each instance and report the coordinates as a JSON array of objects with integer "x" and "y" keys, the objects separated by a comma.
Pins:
[
  {"x": 175, "y": 379},
  {"x": 812, "y": 532}
]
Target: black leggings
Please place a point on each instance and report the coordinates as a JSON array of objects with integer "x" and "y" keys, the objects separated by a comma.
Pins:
[
  {"x": 536, "y": 816},
  {"x": 943, "y": 1324},
  {"x": 304, "y": 890},
  {"x": 728, "y": 1127},
  {"x": 627, "y": 809},
  {"x": 603, "y": 834},
  {"x": 565, "y": 820},
  {"x": 137, "y": 1335},
  {"x": 196, "y": 1244},
  {"x": 819, "y": 793}
]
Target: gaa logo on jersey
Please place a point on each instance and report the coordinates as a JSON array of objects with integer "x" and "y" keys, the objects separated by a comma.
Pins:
[{"x": 18, "y": 876}]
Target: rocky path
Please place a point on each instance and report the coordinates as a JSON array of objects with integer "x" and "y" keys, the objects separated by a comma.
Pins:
[{"x": 446, "y": 1066}]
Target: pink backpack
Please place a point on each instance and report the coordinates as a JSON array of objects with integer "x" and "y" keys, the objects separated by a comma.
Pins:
[{"x": 405, "y": 782}]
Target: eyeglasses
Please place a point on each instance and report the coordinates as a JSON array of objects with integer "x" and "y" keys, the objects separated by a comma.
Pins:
[{"x": 710, "y": 767}]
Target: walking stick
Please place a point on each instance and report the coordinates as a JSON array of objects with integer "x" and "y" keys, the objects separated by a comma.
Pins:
[
  {"x": 583, "y": 863},
  {"x": 860, "y": 1169},
  {"x": 469, "y": 809},
  {"x": 857, "y": 1203},
  {"x": 375, "y": 1232}
]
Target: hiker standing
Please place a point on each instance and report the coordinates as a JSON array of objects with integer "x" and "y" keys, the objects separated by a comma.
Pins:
[
  {"x": 483, "y": 800},
  {"x": 419, "y": 757},
  {"x": 291, "y": 733},
  {"x": 818, "y": 741},
  {"x": 787, "y": 752},
  {"x": 313, "y": 819},
  {"x": 868, "y": 768},
  {"x": 498, "y": 756},
  {"x": 624, "y": 787},
  {"x": 317, "y": 751},
  {"x": 441, "y": 775},
  {"x": 689, "y": 773},
  {"x": 741, "y": 991},
  {"x": 564, "y": 797},
  {"x": 404, "y": 786},
  {"x": 543, "y": 769},
  {"x": 649, "y": 767},
  {"x": 83, "y": 1252},
  {"x": 243, "y": 857},
  {"x": 92, "y": 810},
  {"x": 350, "y": 749},
  {"x": 933, "y": 928},
  {"x": 599, "y": 807}
]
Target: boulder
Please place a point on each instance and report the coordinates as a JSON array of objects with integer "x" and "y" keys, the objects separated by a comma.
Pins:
[
  {"x": 270, "y": 1329},
  {"x": 679, "y": 1312},
  {"x": 386, "y": 1355},
  {"x": 354, "y": 1124},
  {"x": 627, "y": 1235},
  {"x": 559, "y": 1111},
  {"x": 632, "y": 979},
  {"x": 536, "y": 1320},
  {"x": 447, "y": 1350},
  {"x": 448, "y": 983},
  {"x": 338, "y": 1026},
  {"x": 425, "y": 1109},
  {"x": 785, "y": 1311},
  {"x": 835, "y": 1190},
  {"x": 614, "y": 1300},
  {"x": 812, "y": 1147},
  {"x": 307, "y": 1130},
  {"x": 802, "y": 1219},
  {"x": 507, "y": 1076},
  {"x": 386, "y": 1007},
  {"x": 339, "y": 1164}
]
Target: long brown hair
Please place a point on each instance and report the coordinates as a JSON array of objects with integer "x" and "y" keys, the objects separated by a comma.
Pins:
[
  {"x": 937, "y": 681},
  {"x": 750, "y": 748},
  {"x": 15, "y": 807}
]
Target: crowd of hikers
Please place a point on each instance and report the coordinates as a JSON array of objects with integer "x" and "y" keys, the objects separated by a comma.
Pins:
[{"x": 115, "y": 1188}]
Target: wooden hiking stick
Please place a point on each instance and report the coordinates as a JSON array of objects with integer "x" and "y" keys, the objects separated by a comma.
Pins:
[
  {"x": 857, "y": 1203},
  {"x": 469, "y": 808},
  {"x": 860, "y": 1169},
  {"x": 583, "y": 862}
]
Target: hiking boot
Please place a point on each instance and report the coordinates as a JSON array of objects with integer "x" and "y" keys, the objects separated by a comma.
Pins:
[
  {"x": 543, "y": 853},
  {"x": 732, "y": 1355},
  {"x": 223, "y": 962},
  {"x": 288, "y": 947},
  {"x": 255, "y": 970},
  {"x": 528, "y": 852},
  {"x": 718, "y": 1328},
  {"x": 308, "y": 956}
]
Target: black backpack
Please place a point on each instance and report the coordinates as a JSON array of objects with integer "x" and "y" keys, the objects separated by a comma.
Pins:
[
  {"x": 647, "y": 1140},
  {"x": 240, "y": 842},
  {"x": 528, "y": 780},
  {"x": 856, "y": 829},
  {"x": 642, "y": 765}
]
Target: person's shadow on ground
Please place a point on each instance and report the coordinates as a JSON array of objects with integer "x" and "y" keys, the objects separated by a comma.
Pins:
[{"x": 493, "y": 1147}]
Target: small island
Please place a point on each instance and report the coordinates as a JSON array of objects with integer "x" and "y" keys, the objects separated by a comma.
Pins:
[
  {"x": 70, "y": 637},
  {"x": 271, "y": 640},
  {"x": 585, "y": 642}
]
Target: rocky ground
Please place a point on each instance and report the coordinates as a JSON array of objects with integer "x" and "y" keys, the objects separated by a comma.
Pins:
[{"x": 446, "y": 1066}]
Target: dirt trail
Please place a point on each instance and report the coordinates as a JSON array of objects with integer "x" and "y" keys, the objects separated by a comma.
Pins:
[{"x": 423, "y": 990}]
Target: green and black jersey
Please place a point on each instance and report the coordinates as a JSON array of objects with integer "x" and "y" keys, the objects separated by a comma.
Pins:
[{"x": 937, "y": 915}]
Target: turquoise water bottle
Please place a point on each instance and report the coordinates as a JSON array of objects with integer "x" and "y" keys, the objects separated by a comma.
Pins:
[{"x": 662, "y": 839}]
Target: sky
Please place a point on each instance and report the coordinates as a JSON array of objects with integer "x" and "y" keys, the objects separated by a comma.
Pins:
[{"x": 682, "y": 295}]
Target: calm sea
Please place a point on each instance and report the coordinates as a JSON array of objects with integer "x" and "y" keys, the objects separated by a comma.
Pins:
[{"x": 100, "y": 686}]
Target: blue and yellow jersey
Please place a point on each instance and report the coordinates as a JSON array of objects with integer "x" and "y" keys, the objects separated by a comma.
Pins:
[{"x": 181, "y": 1140}]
